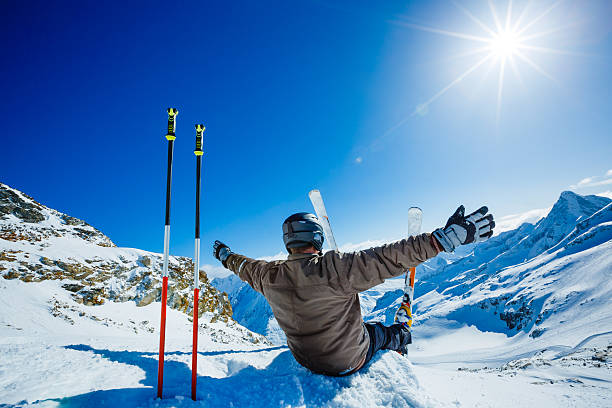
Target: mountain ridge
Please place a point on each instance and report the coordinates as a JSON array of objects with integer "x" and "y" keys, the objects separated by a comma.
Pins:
[
  {"x": 38, "y": 243},
  {"x": 475, "y": 284}
]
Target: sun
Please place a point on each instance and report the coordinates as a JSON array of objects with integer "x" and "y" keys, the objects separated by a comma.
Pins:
[{"x": 507, "y": 42}]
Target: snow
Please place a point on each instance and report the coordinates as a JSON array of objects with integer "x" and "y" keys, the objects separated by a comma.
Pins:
[
  {"x": 49, "y": 362},
  {"x": 607, "y": 194},
  {"x": 549, "y": 278},
  {"x": 513, "y": 221}
]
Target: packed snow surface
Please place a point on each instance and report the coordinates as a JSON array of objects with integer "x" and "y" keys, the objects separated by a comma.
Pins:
[{"x": 102, "y": 360}]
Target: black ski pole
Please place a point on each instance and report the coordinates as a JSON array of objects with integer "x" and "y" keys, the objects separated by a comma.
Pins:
[
  {"x": 196, "y": 264},
  {"x": 171, "y": 135}
]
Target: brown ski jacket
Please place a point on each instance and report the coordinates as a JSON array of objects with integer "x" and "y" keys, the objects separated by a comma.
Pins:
[{"x": 314, "y": 297}]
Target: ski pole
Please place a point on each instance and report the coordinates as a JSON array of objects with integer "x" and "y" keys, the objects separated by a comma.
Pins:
[
  {"x": 404, "y": 313},
  {"x": 170, "y": 136},
  {"x": 196, "y": 265}
]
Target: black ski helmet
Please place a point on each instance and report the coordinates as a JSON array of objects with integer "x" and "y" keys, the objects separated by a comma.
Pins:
[{"x": 302, "y": 229}]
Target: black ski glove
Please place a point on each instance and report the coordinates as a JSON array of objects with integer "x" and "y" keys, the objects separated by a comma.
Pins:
[
  {"x": 460, "y": 230},
  {"x": 221, "y": 252}
]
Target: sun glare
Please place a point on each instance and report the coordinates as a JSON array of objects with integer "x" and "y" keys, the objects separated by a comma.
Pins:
[
  {"x": 508, "y": 41},
  {"x": 505, "y": 44}
]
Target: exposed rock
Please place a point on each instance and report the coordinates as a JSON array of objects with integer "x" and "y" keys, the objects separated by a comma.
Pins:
[
  {"x": 72, "y": 287},
  {"x": 122, "y": 275},
  {"x": 146, "y": 261},
  {"x": 11, "y": 203},
  {"x": 68, "y": 220}
]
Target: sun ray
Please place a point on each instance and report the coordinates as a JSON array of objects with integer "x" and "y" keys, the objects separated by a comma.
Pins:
[
  {"x": 473, "y": 18},
  {"x": 521, "y": 16},
  {"x": 505, "y": 46},
  {"x": 549, "y": 32},
  {"x": 516, "y": 71},
  {"x": 456, "y": 80},
  {"x": 552, "y": 51},
  {"x": 424, "y": 106},
  {"x": 492, "y": 65},
  {"x": 535, "y": 66},
  {"x": 538, "y": 18},
  {"x": 494, "y": 13},
  {"x": 467, "y": 54},
  {"x": 444, "y": 32},
  {"x": 508, "y": 16},
  {"x": 500, "y": 88}
]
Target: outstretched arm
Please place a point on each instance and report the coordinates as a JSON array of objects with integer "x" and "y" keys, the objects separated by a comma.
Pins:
[
  {"x": 247, "y": 269},
  {"x": 362, "y": 270}
]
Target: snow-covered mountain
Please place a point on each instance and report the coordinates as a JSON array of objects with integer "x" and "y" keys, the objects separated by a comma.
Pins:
[
  {"x": 523, "y": 280},
  {"x": 521, "y": 320},
  {"x": 79, "y": 326},
  {"x": 38, "y": 244},
  {"x": 532, "y": 278}
]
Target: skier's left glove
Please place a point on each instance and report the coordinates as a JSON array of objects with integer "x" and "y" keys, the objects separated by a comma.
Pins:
[
  {"x": 221, "y": 252},
  {"x": 460, "y": 230}
]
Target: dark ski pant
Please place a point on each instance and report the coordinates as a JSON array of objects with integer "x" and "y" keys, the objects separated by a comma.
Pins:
[{"x": 395, "y": 337}]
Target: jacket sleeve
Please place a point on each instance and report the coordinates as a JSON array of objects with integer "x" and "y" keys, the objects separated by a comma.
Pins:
[
  {"x": 362, "y": 270},
  {"x": 247, "y": 269}
]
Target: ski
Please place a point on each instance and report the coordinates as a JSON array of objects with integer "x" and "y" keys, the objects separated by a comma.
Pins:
[
  {"x": 319, "y": 207},
  {"x": 170, "y": 136},
  {"x": 196, "y": 261},
  {"x": 404, "y": 313}
]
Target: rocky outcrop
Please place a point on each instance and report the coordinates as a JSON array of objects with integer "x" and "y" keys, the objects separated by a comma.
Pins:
[
  {"x": 93, "y": 275},
  {"x": 19, "y": 205}
]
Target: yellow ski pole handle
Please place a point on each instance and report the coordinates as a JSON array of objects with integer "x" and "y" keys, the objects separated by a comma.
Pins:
[
  {"x": 172, "y": 112},
  {"x": 199, "y": 131}
]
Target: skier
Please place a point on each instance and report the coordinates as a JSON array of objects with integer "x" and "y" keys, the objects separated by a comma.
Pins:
[{"x": 314, "y": 295}]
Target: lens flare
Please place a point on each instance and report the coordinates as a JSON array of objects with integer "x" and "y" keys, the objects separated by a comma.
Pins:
[{"x": 504, "y": 43}]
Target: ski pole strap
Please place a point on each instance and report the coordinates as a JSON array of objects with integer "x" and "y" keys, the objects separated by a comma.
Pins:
[
  {"x": 199, "y": 131},
  {"x": 172, "y": 112}
]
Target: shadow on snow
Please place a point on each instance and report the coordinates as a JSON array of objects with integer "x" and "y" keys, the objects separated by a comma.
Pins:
[{"x": 282, "y": 383}]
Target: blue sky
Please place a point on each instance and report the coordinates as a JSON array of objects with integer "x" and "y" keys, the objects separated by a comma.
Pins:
[{"x": 295, "y": 96}]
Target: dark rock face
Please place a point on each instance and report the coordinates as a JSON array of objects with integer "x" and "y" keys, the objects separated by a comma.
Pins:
[
  {"x": 11, "y": 203},
  {"x": 29, "y": 225},
  {"x": 68, "y": 220}
]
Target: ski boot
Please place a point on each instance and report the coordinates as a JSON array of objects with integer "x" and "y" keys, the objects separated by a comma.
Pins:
[{"x": 403, "y": 316}]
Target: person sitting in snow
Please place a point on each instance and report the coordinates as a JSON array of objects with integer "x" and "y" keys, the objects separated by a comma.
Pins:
[{"x": 314, "y": 295}]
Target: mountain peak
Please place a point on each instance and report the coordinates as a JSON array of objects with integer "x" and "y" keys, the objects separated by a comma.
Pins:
[
  {"x": 19, "y": 205},
  {"x": 23, "y": 218},
  {"x": 573, "y": 207}
]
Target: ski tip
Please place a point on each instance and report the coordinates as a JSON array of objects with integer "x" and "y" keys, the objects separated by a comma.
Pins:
[{"x": 315, "y": 191}]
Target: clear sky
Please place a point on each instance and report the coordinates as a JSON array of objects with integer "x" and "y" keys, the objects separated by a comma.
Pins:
[{"x": 343, "y": 96}]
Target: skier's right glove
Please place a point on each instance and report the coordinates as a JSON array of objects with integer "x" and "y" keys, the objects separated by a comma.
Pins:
[
  {"x": 460, "y": 230},
  {"x": 221, "y": 252}
]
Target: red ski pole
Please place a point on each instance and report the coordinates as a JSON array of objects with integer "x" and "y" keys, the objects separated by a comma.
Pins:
[
  {"x": 164, "y": 297},
  {"x": 196, "y": 264}
]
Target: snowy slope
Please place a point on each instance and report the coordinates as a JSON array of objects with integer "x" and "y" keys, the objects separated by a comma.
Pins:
[
  {"x": 109, "y": 357},
  {"x": 491, "y": 308},
  {"x": 521, "y": 320},
  {"x": 512, "y": 282},
  {"x": 79, "y": 321},
  {"x": 519, "y": 279}
]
